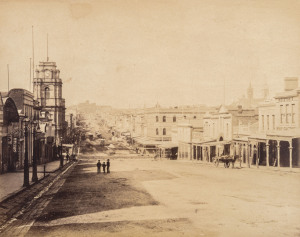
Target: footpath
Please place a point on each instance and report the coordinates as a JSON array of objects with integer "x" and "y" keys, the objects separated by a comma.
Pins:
[
  {"x": 20, "y": 201},
  {"x": 12, "y": 183}
]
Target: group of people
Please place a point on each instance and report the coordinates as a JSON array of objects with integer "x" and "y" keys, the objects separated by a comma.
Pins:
[{"x": 106, "y": 167}]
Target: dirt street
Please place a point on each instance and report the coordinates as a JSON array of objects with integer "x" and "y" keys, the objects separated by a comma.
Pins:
[{"x": 146, "y": 197}]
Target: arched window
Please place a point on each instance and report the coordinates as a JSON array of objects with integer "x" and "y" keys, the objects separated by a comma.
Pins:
[
  {"x": 156, "y": 118},
  {"x": 164, "y": 118},
  {"x": 174, "y": 119},
  {"x": 157, "y": 133},
  {"x": 47, "y": 93},
  {"x": 164, "y": 132}
]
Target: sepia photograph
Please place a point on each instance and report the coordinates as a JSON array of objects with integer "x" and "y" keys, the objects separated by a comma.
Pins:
[{"x": 149, "y": 118}]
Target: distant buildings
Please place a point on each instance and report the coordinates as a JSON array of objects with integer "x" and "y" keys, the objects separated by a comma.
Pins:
[
  {"x": 258, "y": 130},
  {"x": 156, "y": 123},
  {"x": 188, "y": 130},
  {"x": 250, "y": 101},
  {"x": 220, "y": 127}
]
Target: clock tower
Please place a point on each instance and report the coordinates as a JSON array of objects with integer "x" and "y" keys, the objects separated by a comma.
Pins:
[{"x": 47, "y": 90}]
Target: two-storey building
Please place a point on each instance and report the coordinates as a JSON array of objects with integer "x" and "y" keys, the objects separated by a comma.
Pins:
[{"x": 277, "y": 141}]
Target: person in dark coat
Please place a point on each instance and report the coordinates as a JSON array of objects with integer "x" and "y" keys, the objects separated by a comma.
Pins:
[
  {"x": 103, "y": 166},
  {"x": 99, "y": 167},
  {"x": 108, "y": 165}
]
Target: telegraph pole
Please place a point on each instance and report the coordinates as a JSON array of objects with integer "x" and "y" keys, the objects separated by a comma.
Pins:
[{"x": 7, "y": 77}]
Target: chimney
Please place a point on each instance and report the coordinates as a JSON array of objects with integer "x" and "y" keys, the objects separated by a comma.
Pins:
[{"x": 290, "y": 83}]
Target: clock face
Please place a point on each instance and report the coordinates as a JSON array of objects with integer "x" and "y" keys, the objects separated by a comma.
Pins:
[{"x": 47, "y": 73}]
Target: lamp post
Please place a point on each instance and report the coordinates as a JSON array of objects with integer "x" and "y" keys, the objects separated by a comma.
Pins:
[
  {"x": 36, "y": 132},
  {"x": 26, "y": 165},
  {"x": 61, "y": 155}
]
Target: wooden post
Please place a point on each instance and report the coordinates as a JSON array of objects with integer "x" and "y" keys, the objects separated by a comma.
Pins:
[
  {"x": 248, "y": 155},
  {"x": 267, "y": 152},
  {"x": 291, "y": 154},
  {"x": 278, "y": 154},
  {"x": 257, "y": 157}
]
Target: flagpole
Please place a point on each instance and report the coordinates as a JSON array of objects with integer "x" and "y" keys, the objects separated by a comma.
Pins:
[
  {"x": 32, "y": 56},
  {"x": 30, "y": 76},
  {"x": 8, "y": 77},
  {"x": 224, "y": 93},
  {"x": 47, "y": 49}
]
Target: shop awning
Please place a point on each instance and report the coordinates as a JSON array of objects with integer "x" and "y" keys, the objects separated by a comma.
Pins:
[
  {"x": 259, "y": 137},
  {"x": 284, "y": 135},
  {"x": 241, "y": 139},
  {"x": 146, "y": 142},
  {"x": 216, "y": 143},
  {"x": 168, "y": 145},
  {"x": 201, "y": 142}
]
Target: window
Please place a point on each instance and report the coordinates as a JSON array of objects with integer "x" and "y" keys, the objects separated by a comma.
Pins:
[
  {"x": 164, "y": 132},
  {"x": 47, "y": 93},
  {"x": 281, "y": 114},
  {"x": 156, "y": 118},
  {"x": 184, "y": 116},
  {"x": 174, "y": 119},
  {"x": 273, "y": 120},
  {"x": 157, "y": 133},
  {"x": 293, "y": 113},
  {"x": 164, "y": 118},
  {"x": 263, "y": 122},
  {"x": 195, "y": 117},
  {"x": 268, "y": 122}
]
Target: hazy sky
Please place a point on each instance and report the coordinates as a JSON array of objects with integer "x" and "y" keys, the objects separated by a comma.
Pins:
[{"x": 131, "y": 53}]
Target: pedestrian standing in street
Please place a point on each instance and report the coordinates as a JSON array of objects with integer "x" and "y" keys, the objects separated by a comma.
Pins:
[
  {"x": 108, "y": 165},
  {"x": 99, "y": 167},
  {"x": 103, "y": 166}
]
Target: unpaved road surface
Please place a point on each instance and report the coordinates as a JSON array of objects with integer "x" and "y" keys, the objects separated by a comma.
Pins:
[{"x": 146, "y": 197}]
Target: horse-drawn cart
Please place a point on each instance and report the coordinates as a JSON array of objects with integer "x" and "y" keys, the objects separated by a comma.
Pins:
[{"x": 226, "y": 159}]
